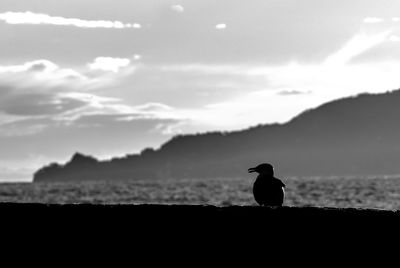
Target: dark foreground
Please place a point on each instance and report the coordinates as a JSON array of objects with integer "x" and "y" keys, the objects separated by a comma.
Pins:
[
  {"x": 176, "y": 220},
  {"x": 126, "y": 232}
]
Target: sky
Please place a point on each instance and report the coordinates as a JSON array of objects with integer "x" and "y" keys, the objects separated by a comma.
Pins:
[{"x": 112, "y": 77}]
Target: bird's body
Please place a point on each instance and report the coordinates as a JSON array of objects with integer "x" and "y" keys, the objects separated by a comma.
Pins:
[{"x": 267, "y": 190}]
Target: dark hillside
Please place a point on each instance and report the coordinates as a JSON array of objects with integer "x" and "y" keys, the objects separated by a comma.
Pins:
[{"x": 352, "y": 136}]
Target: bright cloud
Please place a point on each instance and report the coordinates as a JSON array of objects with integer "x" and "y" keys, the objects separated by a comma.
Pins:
[
  {"x": 42, "y": 89},
  {"x": 110, "y": 64},
  {"x": 220, "y": 26},
  {"x": 38, "y": 18},
  {"x": 276, "y": 93},
  {"x": 177, "y": 8},
  {"x": 394, "y": 38},
  {"x": 39, "y": 96},
  {"x": 92, "y": 105},
  {"x": 288, "y": 89},
  {"x": 37, "y": 65},
  {"x": 291, "y": 92},
  {"x": 373, "y": 20},
  {"x": 100, "y": 105},
  {"x": 43, "y": 74},
  {"x": 137, "y": 57},
  {"x": 357, "y": 45}
]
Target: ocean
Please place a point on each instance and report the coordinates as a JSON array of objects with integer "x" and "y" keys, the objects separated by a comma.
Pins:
[{"x": 381, "y": 192}]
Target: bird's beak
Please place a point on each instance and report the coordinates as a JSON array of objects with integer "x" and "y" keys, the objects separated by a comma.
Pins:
[{"x": 252, "y": 170}]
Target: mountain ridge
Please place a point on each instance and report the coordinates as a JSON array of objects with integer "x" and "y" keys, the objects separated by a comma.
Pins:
[{"x": 358, "y": 135}]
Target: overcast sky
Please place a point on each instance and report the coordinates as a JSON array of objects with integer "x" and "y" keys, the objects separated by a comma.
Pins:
[{"x": 110, "y": 77}]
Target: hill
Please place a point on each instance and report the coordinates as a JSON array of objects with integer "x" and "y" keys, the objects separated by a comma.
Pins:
[{"x": 358, "y": 135}]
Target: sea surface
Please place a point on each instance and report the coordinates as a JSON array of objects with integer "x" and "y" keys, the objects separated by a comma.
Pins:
[{"x": 382, "y": 192}]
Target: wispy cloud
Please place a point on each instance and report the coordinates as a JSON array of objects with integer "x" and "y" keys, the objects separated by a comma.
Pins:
[
  {"x": 41, "y": 88},
  {"x": 37, "y": 65},
  {"x": 220, "y": 26},
  {"x": 39, "y": 18},
  {"x": 360, "y": 43},
  {"x": 109, "y": 64},
  {"x": 292, "y": 92},
  {"x": 100, "y": 105},
  {"x": 373, "y": 20},
  {"x": 394, "y": 38},
  {"x": 288, "y": 89},
  {"x": 44, "y": 74},
  {"x": 39, "y": 95},
  {"x": 177, "y": 8}
]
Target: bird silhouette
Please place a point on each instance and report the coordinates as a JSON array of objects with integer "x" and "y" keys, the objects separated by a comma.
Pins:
[{"x": 267, "y": 190}]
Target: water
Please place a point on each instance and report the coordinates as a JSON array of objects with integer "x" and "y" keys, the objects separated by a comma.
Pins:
[{"x": 363, "y": 192}]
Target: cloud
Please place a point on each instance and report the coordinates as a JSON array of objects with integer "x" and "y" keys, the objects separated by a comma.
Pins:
[
  {"x": 106, "y": 106},
  {"x": 41, "y": 66},
  {"x": 292, "y": 92},
  {"x": 177, "y": 8},
  {"x": 245, "y": 94},
  {"x": 93, "y": 105},
  {"x": 359, "y": 44},
  {"x": 373, "y": 20},
  {"x": 41, "y": 89},
  {"x": 109, "y": 64},
  {"x": 37, "y": 65},
  {"x": 333, "y": 78},
  {"x": 153, "y": 106},
  {"x": 39, "y": 18},
  {"x": 220, "y": 26},
  {"x": 30, "y": 113},
  {"x": 394, "y": 38},
  {"x": 44, "y": 74},
  {"x": 22, "y": 128},
  {"x": 37, "y": 104},
  {"x": 137, "y": 57}
]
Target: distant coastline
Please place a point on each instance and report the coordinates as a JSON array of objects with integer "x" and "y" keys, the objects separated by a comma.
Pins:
[{"x": 358, "y": 135}]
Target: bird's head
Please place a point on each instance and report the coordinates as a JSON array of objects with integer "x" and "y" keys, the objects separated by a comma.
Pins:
[{"x": 263, "y": 169}]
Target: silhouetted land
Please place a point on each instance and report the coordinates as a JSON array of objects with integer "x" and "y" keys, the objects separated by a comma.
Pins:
[
  {"x": 195, "y": 234},
  {"x": 352, "y": 136},
  {"x": 195, "y": 223}
]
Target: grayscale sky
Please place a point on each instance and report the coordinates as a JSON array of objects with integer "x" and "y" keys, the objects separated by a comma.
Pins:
[{"x": 110, "y": 77}]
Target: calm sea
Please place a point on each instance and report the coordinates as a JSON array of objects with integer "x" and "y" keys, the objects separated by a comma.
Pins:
[{"x": 366, "y": 192}]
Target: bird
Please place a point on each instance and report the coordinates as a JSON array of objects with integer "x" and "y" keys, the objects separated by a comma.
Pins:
[{"x": 267, "y": 190}]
